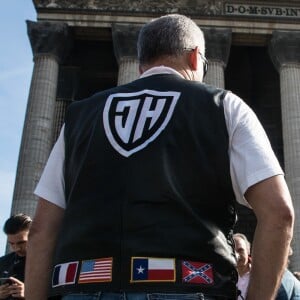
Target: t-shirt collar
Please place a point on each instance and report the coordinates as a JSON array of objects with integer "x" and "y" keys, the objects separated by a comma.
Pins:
[{"x": 160, "y": 70}]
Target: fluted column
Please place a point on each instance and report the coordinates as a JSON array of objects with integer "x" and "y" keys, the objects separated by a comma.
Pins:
[
  {"x": 49, "y": 42},
  {"x": 217, "y": 43},
  {"x": 125, "y": 39},
  {"x": 59, "y": 116},
  {"x": 284, "y": 50},
  {"x": 67, "y": 92}
]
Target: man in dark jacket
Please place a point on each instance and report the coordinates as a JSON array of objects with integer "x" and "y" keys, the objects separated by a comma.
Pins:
[
  {"x": 12, "y": 265},
  {"x": 290, "y": 286}
]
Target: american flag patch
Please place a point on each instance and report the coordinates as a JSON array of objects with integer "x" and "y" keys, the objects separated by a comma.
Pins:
[
  {"x": 96, "y": 270},
  {"x": 197, "y": 272}
]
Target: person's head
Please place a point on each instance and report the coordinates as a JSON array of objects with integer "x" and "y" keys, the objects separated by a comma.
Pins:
[
  {"x": 17, "y": 228},
  {"x": 174, "y": 41},
  {"x": 242, "y": 250}
]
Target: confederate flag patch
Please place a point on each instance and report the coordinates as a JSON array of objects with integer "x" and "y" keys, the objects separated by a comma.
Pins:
[{"x": 197, "y": 272}]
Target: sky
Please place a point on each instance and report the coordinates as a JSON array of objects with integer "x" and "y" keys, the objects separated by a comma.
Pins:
[{"x": 16, "y": 67}]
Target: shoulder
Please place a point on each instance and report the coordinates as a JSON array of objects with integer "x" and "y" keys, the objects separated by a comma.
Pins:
[
  {"x": 96, "y": 98},
  {"x": 7, "y": 257},
  {"x": 204, "y": 87},
  {"x": 238, "y": 113},
  {"x": 290, "y": 285},
  {"x": 6, "y": 260},
  {"x": 85, "y": 109},
  {"x": 199, "y": 93},
  {"x": 87, "y": 102}
]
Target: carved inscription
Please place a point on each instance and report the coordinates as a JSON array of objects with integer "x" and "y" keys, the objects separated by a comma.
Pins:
[{"x": 253, "y": 10}]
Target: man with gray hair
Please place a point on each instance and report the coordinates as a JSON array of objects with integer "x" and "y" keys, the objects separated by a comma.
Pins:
[
  {"x": 137, "y": 198},
  {"x": 243, "y": 256}
]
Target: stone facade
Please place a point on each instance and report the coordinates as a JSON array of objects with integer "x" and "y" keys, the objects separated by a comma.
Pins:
[
  {"x": 264, "y": 9},
  {"x": 196, "y": 7}
]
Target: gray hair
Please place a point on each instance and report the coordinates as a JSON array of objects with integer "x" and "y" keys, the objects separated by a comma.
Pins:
[
  {"x": 168, "y": 35},
  {"x": 243, "y": 237}
]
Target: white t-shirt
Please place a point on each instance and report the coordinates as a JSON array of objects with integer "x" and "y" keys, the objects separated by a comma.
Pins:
[
  {"x": 251, "y": 156},
  {"x": 243, "y": 283}
]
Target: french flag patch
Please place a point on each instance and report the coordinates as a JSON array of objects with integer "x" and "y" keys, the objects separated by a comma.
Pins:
[
  {"x": 146, "y": 269},
  {"x": 64, "y": 274}
]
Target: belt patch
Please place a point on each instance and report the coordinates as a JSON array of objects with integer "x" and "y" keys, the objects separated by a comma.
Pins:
[
  {"x": 64, "y": 274},
  {"x": 197, "y": 272},
  {"x": 96, "y": 270},
  {"x": 150, "y": 269}
]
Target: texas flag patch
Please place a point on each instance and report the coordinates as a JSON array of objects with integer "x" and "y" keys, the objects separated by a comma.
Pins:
[
  {"x": 64, "y": 274},
  {"x": 146, "y": 269},
  {"x": 197, "y": 272}
]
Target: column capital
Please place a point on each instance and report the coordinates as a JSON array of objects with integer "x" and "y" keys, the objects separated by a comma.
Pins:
[
  {"x": 217, "y": 44},
  {"x": 125, "y": 40},
  {"x": 49, "y": 38},
  {"x": 284, "y": 48}
]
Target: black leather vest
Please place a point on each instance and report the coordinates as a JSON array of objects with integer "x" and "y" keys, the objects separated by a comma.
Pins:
[{"x": 149, "y": 185}]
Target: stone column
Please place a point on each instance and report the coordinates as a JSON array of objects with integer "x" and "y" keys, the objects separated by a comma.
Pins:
[
  {"x": 67, "y": 91},
  {"x": 284, "y": 49},
  {"x": 125, "y": 40},
  {"x": 58, "y": 118},
  {"x": 217, "y": 44},
  {"x": 49, "y": 42}
]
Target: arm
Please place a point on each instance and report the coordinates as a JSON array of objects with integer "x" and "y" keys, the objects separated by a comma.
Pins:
[
  {"x": 271, "y": 203},
  {"x": 40, "y": 249}
]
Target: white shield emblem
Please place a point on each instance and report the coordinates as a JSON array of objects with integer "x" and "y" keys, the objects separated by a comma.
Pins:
[{"x": 133, "y": 120}]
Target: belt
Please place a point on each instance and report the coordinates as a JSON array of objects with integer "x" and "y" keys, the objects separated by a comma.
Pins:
[
  {"x": 145, "y": 296},
  {"x": 188, "y": 296}
]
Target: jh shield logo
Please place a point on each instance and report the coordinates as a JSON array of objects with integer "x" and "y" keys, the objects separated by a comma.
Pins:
[{"x": 133, "y": 120}]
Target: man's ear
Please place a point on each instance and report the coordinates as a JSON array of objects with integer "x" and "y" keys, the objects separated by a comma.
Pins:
[{"x": 193, "y": 59}]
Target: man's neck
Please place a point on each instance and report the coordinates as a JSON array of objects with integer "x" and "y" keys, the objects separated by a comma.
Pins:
[{"x": 243, "y": 270}]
